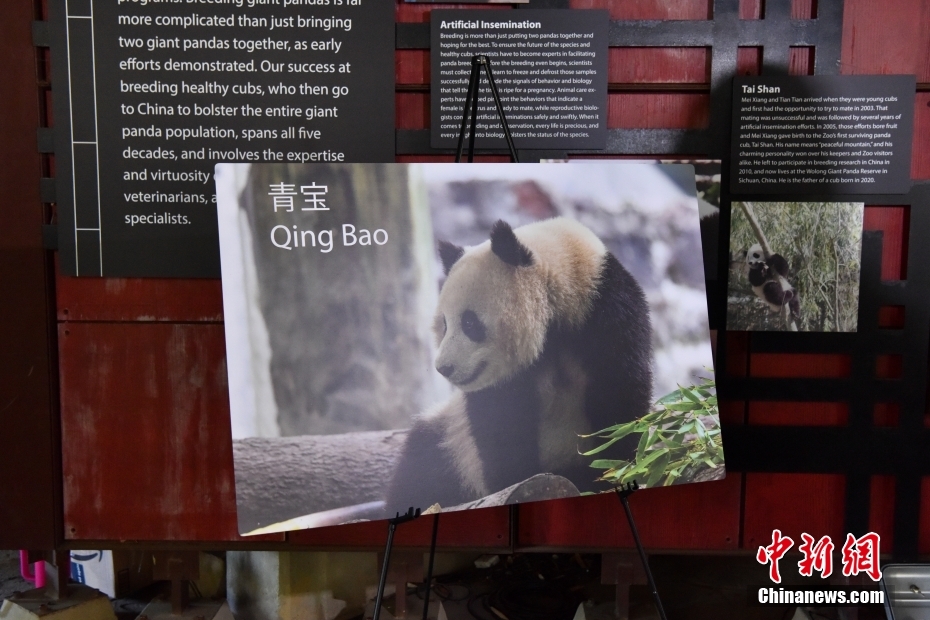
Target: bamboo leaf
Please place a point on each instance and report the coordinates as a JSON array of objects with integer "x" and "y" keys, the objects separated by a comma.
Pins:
[
  {"x": 643, "y": 442},
  {"x": 602, "y": 447},
  {"x": 652, "y": 417},
  {"x": 699, "y": 427},
  {"x": 652, "y": 457},
  {"x": 658, "y": 470},
  {"x": 690, "y": 395},
  {"x": 671, "y": 397},
  {"x": 683, "y": 406},
  {"x": 604, "y": 431},
  {"x": 655, "y": 438},
  {"x": 607, "y": 464}
]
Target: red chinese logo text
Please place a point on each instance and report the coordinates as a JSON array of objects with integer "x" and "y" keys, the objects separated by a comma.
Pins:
[
  {"x": 817, "y": 556},
  {"x": 859, "y": 555},
  {"x": 773, "y": 553}
]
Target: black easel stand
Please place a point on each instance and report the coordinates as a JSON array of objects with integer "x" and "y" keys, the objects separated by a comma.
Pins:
[
  {"x": 429, "y": 568},
  {"x": 392, "y": 525},
  {"x": 623, "y": 492},
  {"x": 471, "y": 100}
]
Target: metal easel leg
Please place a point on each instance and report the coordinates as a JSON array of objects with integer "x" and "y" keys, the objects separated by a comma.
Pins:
[{"x": 624, "y": 493}]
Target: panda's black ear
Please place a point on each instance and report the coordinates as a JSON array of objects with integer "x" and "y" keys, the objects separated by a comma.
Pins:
[
  {"x": 507, "y": 247},
  {"x": 449, "y": 253}
]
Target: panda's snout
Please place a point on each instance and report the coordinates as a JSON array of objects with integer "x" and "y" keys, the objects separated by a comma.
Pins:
[{"x": 446, "y": 371}]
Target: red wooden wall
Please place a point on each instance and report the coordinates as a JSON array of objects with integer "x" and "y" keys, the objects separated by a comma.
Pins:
[
  {"x": 29, "y": 466},
  {"x": 146, "y": 449}
]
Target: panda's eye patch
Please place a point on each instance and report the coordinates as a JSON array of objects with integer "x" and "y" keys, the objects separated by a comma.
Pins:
[{"x": 472, "y": 326}]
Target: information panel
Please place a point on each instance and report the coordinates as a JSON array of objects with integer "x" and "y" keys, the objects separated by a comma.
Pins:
[
  {"x": 149, "y": 95},
  {"x": 550, "y": 67},
  {"x": 833, "y": 134}
]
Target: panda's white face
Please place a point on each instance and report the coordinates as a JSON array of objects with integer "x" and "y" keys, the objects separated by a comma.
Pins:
[
  {"x": 491, "y": 319},
  {"x": 755, "y": 255}
]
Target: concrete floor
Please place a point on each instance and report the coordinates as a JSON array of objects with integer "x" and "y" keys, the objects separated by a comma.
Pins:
[
  {"x": 692, "y": 587},
  {"x": 10, "y": 581}
]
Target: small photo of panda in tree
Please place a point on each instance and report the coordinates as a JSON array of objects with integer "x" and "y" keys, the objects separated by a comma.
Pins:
[
  {"x": 449, "y": 337},
  {"x": 794, "y": 266}
]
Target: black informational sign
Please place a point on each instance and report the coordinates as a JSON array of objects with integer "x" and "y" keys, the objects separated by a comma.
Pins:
[
  {"x": 550, "y": 67},
  {"x": 150, "y": 95},
  {"x": 822, "y": 134}
]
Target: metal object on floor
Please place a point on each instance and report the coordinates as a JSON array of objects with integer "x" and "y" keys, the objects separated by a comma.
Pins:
[{"x": 907, "y": 591}]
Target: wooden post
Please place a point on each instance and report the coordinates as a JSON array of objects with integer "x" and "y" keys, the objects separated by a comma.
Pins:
[
  {"x": 622, "y": 569},
  {"x": 180, "y": 568},
  {"x": 57, "y": 574}
]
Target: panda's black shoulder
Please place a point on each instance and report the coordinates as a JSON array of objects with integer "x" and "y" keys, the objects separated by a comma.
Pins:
[
  {"x": 616, "y": 337},
  {"x": 615, "y": 346},
  {"x": 619, "y": 293}
]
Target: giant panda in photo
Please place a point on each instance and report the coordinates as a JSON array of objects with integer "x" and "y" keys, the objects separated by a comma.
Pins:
[{"x": 546, "y": 336}]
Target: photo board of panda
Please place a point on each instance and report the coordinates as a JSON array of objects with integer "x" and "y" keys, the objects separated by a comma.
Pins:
[
  {"x": 545, "y": 336},
  {"x": 769, "y": 280}
]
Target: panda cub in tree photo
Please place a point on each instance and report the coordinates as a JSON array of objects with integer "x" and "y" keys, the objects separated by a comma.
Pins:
[
  {"x": 811, "y": 284},
  {"x": 545, "y": 336},
  {"x": 769, "y": 280}
]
